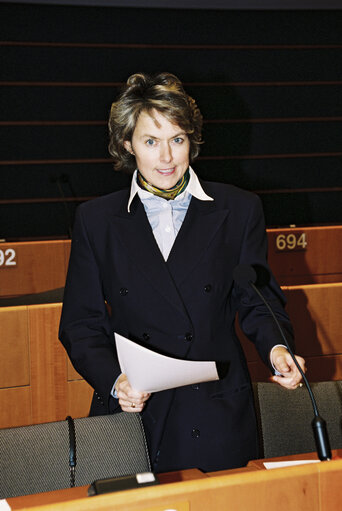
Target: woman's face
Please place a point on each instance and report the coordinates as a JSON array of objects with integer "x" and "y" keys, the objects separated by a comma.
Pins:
[{"x": 161, "y": 149}]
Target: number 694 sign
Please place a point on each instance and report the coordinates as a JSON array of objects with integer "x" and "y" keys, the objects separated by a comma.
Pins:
[
  {"x": 7, "y": 258},
  {"x": 292, "y": 241}
]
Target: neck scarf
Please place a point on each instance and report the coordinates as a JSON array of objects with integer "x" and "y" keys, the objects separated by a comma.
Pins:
[{"x": 171, "y": 193}]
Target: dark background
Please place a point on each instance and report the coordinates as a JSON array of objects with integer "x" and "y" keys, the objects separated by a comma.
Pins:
[{"x": 268, "y": 83}]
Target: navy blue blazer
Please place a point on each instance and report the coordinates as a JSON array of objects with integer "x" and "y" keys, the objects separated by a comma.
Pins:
[{"x": 184, "y": 307}]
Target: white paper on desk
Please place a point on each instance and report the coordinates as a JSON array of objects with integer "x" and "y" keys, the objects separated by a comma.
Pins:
[
  {"x": 4, "y": 506},
  {"x": 149, "y": 371},
  {"x": 281, "y": 464}
]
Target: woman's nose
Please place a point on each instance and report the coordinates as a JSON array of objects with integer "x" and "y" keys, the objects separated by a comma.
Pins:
[{"x": 165, "y": 153}]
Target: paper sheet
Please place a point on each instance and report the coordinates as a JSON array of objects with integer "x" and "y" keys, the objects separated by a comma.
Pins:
[
  {"x": 149, "y": 371},
  {"x": 281, "y": 464},
  {"x": 4, "y": 506}
]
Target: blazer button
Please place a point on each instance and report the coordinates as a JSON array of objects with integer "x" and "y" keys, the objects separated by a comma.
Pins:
[
  {"x": 195, "y": 433},
  {"x": 146, "y": 336},
  {"x": 123, "y": 291},
  {"x": 188, "y": 336},
  {"x": 195, "y": 386},
  {"x": 207, "y": 288}
]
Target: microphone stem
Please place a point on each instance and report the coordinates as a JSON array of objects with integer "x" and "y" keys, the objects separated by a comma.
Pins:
[
  {"x": 288, "y": 348},
  {"x": 244, "y": 275},
  {"x": 318, "y": 423}
]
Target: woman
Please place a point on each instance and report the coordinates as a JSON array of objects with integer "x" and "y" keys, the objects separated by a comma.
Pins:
[{"x": 160, "y": 257}]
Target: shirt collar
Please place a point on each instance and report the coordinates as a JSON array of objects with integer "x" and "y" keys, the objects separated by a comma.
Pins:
[{"x": 194, "y": 188}]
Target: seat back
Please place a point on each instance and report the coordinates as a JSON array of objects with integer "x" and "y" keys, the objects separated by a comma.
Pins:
[
  {"x": 285, "y": 417},
  {"x": 35, "y": 458}
]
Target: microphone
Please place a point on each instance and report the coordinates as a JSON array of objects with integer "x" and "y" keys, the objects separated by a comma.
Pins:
[
  {"x": 59, "y": 180},
  {"x": 245, "y": 276}
]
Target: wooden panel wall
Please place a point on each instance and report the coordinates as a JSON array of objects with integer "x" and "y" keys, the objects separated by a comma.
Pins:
[
  {"x": 268, "y": 84},
  {"x": 36, "y": 381},
  {"x": 315, "y": 314}
]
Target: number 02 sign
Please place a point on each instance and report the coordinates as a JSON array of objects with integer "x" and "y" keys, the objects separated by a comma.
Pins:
[
  {"x": 292, "y": 241},
  {"x": 7, "y": 258}
]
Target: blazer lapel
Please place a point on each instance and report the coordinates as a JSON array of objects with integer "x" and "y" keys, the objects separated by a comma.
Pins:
[
  {"x": 200, "y": 225},
  {"x": 136, "y": 235}
]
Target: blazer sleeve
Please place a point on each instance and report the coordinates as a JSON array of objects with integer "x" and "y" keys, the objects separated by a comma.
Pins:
[
  {"x": 85, "y": 329},
  {"x": 254, "y": 317}
]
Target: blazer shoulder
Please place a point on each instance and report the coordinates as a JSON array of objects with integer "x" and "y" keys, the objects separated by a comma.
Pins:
[
  {"x": 229, "y": 194},
  {"x": 112, "y": 203}
]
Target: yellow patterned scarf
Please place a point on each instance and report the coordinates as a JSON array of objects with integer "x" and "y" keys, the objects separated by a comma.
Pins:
[{"x": 171, "y": 193}]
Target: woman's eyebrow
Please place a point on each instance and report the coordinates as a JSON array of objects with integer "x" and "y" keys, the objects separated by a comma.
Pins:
[
  {"x": 146, "y": 135},
  {"x": 181, "y": 133}
]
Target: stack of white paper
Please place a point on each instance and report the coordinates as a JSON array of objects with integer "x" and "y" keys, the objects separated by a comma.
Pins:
[{"x": 148, "y": 371}]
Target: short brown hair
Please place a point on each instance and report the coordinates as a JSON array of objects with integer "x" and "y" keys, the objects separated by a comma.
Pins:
[{"x": 163, "y": 92}]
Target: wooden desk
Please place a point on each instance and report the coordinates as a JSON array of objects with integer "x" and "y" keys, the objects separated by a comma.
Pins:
[
  {"x": 33, "y": 266},
  {"x": 305, "y": 255},
  {"x": 313, "y": 487},
  {"x": 297, "y": 255},
  {"x": 81, "y": 492}
]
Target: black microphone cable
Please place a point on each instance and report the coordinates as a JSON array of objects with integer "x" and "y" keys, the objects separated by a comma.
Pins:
[{"x": 245, "y": 274}]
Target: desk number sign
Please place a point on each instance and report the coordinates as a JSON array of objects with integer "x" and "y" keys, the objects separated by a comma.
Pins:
[
  {"x": 291, "y": 242},
  {"x": 8, "y": 258}
]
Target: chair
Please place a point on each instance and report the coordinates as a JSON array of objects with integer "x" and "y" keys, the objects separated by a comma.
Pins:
[
  {"x": 285, "y": 417},
  {"x": 35, "y": 458}
]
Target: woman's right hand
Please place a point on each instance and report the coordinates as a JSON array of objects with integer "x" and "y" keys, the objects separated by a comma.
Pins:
[{"x": 130, "y": 400}]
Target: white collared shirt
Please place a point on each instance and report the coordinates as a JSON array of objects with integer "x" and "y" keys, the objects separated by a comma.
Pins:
[{"x": 166, "y": 216}]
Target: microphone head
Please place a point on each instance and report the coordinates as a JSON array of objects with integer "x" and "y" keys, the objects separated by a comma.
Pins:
[{"x": 243, "y": 275}]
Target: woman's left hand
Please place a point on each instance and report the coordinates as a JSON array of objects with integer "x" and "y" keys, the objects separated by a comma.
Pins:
[
  {"x": 130, "y": 400},
  {"x": 283, "y": 363}
]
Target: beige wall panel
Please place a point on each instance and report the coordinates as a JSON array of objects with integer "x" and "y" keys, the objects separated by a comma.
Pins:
[
  {"x": 15, "y": 406},
  {"x": 72, "y": 373},
  {"x": 315, "y": 311},
  {"x": 40, "y": 266},
  {"x": 14, "y": 349},
  {"x": 324, "y": 368},
  {"x": 79, "y": 398},
  {"x": 48, "y": 367}
]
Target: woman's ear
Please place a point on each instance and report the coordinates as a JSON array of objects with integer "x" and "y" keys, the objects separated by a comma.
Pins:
[{"x": 128, "y": 146}]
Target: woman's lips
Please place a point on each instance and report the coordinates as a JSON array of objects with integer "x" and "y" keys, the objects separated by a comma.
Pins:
[{"x": 166, "y": 172}]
